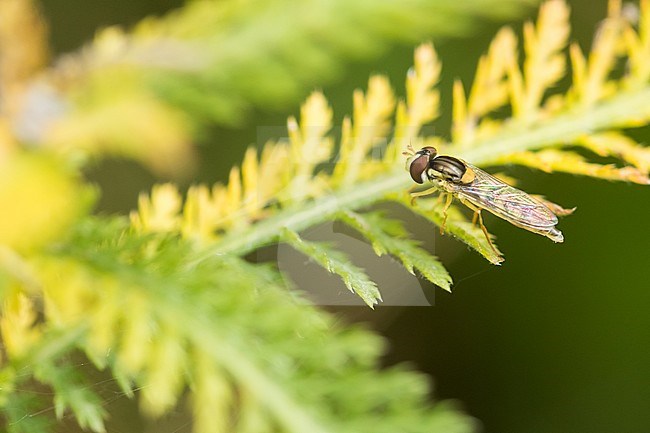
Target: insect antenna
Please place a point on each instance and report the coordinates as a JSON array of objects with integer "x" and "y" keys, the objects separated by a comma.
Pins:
[{"x": 410, "y": 151}]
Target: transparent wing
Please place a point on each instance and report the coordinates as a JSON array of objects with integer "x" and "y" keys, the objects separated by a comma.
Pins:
[{"x": 505, "y": 201}]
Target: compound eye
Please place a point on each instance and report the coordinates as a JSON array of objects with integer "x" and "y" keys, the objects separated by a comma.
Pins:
[
  {"x": 431, "y": 151},
  {"x": 418, "y": 166}
]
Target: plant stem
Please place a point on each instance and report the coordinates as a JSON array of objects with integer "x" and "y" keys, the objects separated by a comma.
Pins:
[{"x": 298, "y": 218}]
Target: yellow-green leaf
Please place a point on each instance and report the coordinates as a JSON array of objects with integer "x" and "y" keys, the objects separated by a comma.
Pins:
[{"x": 550, "y": 160}]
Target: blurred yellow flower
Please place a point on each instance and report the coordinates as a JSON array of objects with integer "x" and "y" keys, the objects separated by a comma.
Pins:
[{"x": 39, "y": 200}]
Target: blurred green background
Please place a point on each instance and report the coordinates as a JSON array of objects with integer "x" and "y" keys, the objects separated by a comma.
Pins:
[{"x": 555, "y": 340}]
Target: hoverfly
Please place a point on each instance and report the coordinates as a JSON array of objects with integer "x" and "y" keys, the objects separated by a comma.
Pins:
[{"x": 479, "y": 190}]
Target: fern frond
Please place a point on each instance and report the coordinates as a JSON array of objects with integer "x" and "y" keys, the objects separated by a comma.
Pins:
[
  {"x": 540, "y": 126},
  {"x": 551, "y": 160},
  {"x": 388, "y": 236},
  {"x": 237, "y": 353},
  {"x": 23, "y": 410},
  {"x": 637, "y": 45},
  {"x": 593, "y": 96},
  {"x": 355, "y": 278},
  {"x": 16, "y": 411},
  {"x": 614, "y": 144},
  {"x": 590, "y": 76},
  {"x": 225, "y": 330},
  {"x": 370, "y": 121},
  {"x": 237, "y": 57},
  {"x": 73, "y": 393},
  {"x": 490, "y": 89},
  {"x": 206, "y": 62},
  {"x": 422, "y": 101},
  {"x": 310, "y": 145},
  {"x": 544, "y": 62},
  {"x": 158, "y": 212}
]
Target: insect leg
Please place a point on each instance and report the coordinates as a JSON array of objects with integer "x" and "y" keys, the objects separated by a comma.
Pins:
[
  {"x": 477, "y": 215},
  {"x": 444, "y": 212},
  {"x": 427, "y": 191},
  {"x": 485, "y": 232}
]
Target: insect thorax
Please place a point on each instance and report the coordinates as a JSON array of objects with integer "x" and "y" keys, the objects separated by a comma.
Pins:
[{"x": 450, "y": 169}]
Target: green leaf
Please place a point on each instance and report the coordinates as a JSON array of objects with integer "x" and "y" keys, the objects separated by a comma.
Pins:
[
  {"x": 24, "y": 414},
  {"x": 355, "y": 278},
  {"x": 389, "y": 236},
  {"x": 73, "y": 392}
]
